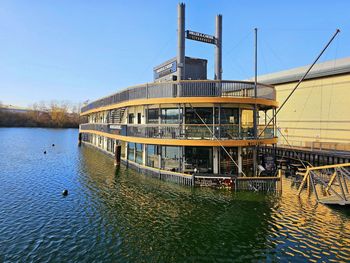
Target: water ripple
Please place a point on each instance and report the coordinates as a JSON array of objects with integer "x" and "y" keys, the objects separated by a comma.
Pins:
[{"x": 123, "y": 216}]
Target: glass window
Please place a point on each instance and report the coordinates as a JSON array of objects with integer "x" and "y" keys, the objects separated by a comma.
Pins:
[
  {"x": 227, "y": 166},
  {"x": 247, "y": 124},
  {"x": 200, "y": 158},
  {"x": 229, "y": 119},
  {"x": 206, "y": 114},
  {"x": 170, "y": 116},
  {"x": 131, "y": 118},
  {"x": 170, "y": 158},
  {"x": 131, "y": 151},
  {"x": 248, "y": 161},
  {"x": 152, "y": 156},
  {"x": 227, "y": 115},
  {"x": 139, "y": 158},
  {"x": 139, "y": 118},
  {"x": 152, "y": 115}
]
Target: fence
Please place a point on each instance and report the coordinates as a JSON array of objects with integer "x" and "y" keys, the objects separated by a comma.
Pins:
[
  {"x": 179, "y": 131},
  {"x": 203, "y": 88}
]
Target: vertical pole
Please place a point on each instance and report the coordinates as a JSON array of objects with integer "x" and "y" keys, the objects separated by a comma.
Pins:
[
  {"x": 255, "y": 117},
  {"x": 181, "y": 41},
  {"x": 239, "y": 155},
  {"x": 218, "y": 48}
]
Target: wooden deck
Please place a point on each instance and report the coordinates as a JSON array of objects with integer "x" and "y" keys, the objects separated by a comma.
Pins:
[
  {"x": 334, "y": 200},
  {"x": 334, "y": 179}
]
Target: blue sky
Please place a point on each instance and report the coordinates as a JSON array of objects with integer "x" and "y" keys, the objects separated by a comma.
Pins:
[{"x": 79, "y": 50}]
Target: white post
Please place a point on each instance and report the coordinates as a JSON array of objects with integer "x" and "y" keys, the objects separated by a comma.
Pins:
[
  {"x": 216, "y": 160},
  {"x": 239, "y": 160}
]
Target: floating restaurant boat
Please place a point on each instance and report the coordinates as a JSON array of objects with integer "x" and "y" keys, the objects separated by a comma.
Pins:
[{"x": 183, "y": 127}]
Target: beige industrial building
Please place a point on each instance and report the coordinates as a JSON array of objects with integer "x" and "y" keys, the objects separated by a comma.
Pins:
[{"x": 317, "y": 116}]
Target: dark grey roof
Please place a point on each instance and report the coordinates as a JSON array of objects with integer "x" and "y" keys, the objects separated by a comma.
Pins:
[{"x": 331, "y": 67}]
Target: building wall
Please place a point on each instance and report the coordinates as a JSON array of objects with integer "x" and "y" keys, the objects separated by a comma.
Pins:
[{"x": 317, "y": 115}]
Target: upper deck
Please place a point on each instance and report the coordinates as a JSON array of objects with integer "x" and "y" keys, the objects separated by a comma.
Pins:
[{"x": 239, "y": 91}]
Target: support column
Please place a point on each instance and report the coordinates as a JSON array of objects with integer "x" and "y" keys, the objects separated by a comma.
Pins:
[
  {"x": 218, "y": 48},
  {"x": 216, "y": 160},
  {"x": 144, "y": 156},
  {"x": 181, "y": 41},
  {"x": 239, "y": 160}
]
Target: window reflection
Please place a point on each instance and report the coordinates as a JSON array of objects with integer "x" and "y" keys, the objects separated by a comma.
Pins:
[
  {"x": 131, "y": 151},
  {"x": 171, "y": 116},
  {"x": 205, "y": 113},
  {"x": 152, "y": 156},
  {"x": 139, "y": 148},
  {"x": 200, "y": 158},
  {"x": 170, "y": 158},
  {"x": 152, "y": 115}
]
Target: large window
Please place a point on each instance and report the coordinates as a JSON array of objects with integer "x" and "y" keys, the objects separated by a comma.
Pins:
[
  {"x": 227, "y": 166},
  {"x": 227, "y": 115},
  {"x": 171, "y": 158},
  {"x": 152, "y": 115},
  {"x": 248, "y": 161},
  {"x": 229, "y": 120},
  {"x": 200, "y": 158},
  {"x": 206, "y": 114},
  {"x": 152, "y": 156},
  {"x": 247, "y": 124},
  {"x": 171, "y": 116},
  {"x": 131, "y": 151},
  {"x": 139, "y": 158}
]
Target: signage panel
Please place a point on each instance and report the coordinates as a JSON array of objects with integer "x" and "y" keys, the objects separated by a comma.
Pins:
[
  {"x": 200, "y": 37},
  {"x": 165, "y": 70}
]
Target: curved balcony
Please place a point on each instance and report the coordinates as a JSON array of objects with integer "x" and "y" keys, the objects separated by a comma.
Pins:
[
  {"x": 188, "y": 88},
  {"x": 181, "y": 131}
]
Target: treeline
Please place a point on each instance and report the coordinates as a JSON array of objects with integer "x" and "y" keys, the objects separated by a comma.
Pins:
[{"x": 53, "y": 115}]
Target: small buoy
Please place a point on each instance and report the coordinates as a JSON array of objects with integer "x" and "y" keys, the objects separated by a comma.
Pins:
[
  {"x": 44, "y": 152},
  {"x": 53, "y": 145},
  {"x": 65, "y": 192}
]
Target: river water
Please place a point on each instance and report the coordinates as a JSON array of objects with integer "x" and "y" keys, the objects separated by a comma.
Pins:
[{"x": 121, "y": 216}]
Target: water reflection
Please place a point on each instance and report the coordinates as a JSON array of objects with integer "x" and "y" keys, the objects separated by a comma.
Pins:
[{"x": 156, "y": 220}]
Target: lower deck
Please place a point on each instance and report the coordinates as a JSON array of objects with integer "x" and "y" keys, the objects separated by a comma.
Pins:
[
  {"x": 191, "y": 166},
  {"x": 181, "y": 159}
]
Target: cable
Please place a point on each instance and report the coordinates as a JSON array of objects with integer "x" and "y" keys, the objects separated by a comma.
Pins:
[{"x": 212, "y": 133}]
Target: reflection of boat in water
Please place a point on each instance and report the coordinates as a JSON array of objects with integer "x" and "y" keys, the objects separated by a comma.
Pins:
[{"x": 182, "y": 123}]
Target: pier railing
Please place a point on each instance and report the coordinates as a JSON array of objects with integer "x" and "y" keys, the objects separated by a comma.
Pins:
[
  {"x": 188, "y": 88},
  {"x": 179, "y": 131}
]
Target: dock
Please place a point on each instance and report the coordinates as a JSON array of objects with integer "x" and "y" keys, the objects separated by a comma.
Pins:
[{"x": 329, "y": 183}]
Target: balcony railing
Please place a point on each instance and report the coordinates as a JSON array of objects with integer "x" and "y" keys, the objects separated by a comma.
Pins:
[
  {"x": 203, "y": 88},
  {"x": 181, "y": 131}
]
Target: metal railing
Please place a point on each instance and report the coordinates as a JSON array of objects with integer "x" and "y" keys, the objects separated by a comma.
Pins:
[
  {"x": 179, "y": 131},
  {"x": 202, "y": 88}
]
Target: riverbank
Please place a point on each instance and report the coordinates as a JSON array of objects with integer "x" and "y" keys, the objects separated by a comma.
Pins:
[{"x": 39, "y": 119}]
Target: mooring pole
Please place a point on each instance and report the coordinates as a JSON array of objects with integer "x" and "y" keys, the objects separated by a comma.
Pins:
[{"x": 255, "y": 116}]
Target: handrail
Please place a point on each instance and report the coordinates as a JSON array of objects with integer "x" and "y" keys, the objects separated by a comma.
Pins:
[
  {"x": 185, "y": 88},
  {"x": 174, "y": 131}
]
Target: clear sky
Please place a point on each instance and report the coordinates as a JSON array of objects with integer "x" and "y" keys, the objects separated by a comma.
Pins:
[{"x": 79, "y": 50}]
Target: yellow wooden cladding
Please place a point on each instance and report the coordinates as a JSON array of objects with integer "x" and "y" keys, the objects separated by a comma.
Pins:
[{"x": 175, "y": 142}]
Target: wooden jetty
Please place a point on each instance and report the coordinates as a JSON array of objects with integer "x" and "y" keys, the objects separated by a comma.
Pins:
[{"x": 334, "y": 181}]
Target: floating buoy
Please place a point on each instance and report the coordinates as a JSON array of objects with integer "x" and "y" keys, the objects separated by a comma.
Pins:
[
  {"x": 53, "y": 145},
  {"x": 65, "y": 192},
  {"x": 44, "y": 152}
]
